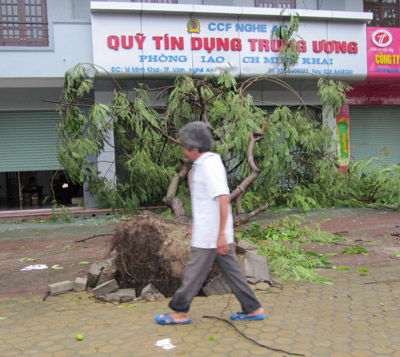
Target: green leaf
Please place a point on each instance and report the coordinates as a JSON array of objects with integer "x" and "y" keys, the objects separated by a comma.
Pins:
[
  {"x": 83, "y": 262},
  {"x": 211, "y": 338},
  {"x": 314, "y": 254},
  {"x": 27, "y": 260},
  {"x": 2, "y": 317},
  {"x": 126, "y": 305},
  {"x": 355, "y": 250},
  {"x": 342, "y": 267},
  {"x": 364, "y": 271},
  {"x": 56, "y": 266}
]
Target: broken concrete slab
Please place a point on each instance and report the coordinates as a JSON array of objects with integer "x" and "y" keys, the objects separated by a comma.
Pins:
[
  {"x": 150, "y": 293},
  {"x": 149, "y": 289},
  {"x": 242, "y": 247},
  {"x": 105, "y": 288},
  {"x": 96, "y": 269},
  {"x": 60, "y": 288},
  {"x": 217, "y": 286},
  {"x": 121, "y": 296},
  {"x": 94, "y": 273},
  {"x": 108, "y": 273},
  {"x": 256, "y": 268},
  {"x": 80, "y": 283}
]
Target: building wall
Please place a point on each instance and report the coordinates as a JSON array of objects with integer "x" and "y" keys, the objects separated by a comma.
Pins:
[
  {"x": 70, "y": 43},
  {"x": 31, "y": 78},
  {"x": 339, "y": 5}
]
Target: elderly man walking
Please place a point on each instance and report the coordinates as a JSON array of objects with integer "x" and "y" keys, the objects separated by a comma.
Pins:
[{"x": 212, "y": 233}]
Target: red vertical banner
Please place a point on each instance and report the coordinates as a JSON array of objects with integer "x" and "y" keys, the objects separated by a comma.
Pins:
[{"x": 343, "y": 137}]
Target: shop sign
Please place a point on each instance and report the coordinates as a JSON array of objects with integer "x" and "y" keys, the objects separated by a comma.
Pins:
[
  {"x": 375, "y": 93},
  {"x": 383, "y": 45},
  {"x": 145, "y": 46}
]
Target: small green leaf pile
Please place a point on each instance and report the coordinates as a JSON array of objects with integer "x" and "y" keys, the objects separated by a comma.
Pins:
[
  {"x": 357, "y": 249},
  {"x": 280, "y": 241}
]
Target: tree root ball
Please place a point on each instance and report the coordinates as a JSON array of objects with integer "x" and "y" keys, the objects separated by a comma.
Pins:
[{"x": 149, "y": 248}]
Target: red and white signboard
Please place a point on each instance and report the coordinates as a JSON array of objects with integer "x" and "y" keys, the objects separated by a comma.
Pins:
[
  {"x": 144, "y": 45},
  {"x": 383, "y": 44}
]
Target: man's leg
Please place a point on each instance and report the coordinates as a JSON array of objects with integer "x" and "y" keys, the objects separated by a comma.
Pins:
[
  {"x": 233, "y": 274},
  {"x": 196, "y": 271}
]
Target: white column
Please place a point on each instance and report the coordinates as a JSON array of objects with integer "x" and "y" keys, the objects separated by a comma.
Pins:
[{"x": 106, "y": 159}]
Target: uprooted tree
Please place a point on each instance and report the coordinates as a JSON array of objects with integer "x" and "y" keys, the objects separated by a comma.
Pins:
[{"x": 282, "y": 156}]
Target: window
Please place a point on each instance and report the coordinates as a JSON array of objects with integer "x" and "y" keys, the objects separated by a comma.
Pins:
[
  {"x": 282, "y": 4},
  {"x": 386, "y": 12},
  {"x": 23, "y": 23}
]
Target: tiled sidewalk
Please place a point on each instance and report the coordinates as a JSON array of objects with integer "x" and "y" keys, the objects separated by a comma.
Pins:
[{"x": 348, "y": 318}]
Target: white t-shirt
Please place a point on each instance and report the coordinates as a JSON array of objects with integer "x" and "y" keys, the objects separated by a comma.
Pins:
[{"x": 208, "y": 183}]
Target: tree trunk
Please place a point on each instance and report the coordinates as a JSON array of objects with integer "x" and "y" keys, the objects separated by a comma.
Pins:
[{"x": 174, "y": 202}]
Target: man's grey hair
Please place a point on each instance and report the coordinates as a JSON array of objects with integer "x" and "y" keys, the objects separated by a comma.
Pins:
[{"x": 196, "y": 135}]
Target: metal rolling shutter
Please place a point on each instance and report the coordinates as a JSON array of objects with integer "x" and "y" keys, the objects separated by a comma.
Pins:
[
  {"x": 371, "y": 128},
  {"x": 28, "y": 141}
]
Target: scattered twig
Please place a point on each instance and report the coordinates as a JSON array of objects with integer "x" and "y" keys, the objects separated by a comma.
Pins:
[
  {"x": 95, "y": 236},
  {"x": 341, "y": 233}
]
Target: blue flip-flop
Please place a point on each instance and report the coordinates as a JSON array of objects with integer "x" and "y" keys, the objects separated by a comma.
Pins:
[
  {"x": 168, "y": 320},
  {"x": 241, "y": 316}
]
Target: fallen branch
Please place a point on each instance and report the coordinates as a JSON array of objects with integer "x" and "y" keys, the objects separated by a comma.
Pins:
[
  {"x": 255, "y": 171},
  {"x": 245, "y": 217},
  {"x": 95, "y": 236}
]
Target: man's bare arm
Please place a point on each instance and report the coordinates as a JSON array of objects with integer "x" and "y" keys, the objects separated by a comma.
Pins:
[{"x": 222, "y": 245}]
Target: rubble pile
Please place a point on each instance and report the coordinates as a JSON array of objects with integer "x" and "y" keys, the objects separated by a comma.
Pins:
[{"x": 149, "y": 254}]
